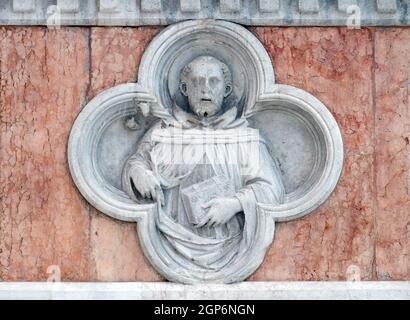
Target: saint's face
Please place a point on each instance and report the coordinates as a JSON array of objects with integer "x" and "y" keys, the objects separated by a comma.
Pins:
[{"x": 205, "y": 87}]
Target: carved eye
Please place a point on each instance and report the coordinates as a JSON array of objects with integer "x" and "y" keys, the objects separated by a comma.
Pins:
[
  {"x": 213, "y": 81},
  {"x": 195, "y": 82}
]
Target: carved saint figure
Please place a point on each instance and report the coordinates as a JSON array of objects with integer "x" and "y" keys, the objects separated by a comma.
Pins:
[{"x": 207, "y": 171}]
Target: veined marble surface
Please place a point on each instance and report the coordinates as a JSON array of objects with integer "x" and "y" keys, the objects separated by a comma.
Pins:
[{"x": 45, "y": 221}]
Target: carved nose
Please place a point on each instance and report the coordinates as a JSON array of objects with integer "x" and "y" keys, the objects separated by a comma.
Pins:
[
  {"x": 206, "y": 87},
  {"x": 205, "y": 90}
]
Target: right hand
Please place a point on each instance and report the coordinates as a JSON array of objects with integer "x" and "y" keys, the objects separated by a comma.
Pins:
[{"x": 147, "y": 184}]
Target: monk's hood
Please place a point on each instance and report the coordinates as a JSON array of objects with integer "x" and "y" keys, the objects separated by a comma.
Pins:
[{"x": 186, "y": 120}]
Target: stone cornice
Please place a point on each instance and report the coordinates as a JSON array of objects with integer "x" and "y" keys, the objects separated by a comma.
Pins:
[{"x": 246, "y": 12}]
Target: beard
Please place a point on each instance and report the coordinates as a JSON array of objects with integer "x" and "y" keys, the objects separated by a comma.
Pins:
[{"x": 205, "y": 109}]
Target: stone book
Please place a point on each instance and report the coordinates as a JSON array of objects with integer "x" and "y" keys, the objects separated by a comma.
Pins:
[{"x": 194, "y": 196}]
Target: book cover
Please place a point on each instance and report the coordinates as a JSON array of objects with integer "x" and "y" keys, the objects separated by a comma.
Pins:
[{"x": 198, "y": 194}]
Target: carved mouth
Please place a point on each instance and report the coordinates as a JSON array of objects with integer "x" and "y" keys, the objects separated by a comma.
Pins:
[{"x": 206, "y": 99}]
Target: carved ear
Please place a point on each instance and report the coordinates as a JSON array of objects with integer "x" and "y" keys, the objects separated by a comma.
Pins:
[
  {"x": 228, "y": 90},
  {"x": 182, "y": 88}
]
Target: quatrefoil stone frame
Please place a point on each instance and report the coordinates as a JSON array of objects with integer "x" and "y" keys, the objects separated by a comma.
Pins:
[{"x": 303, "y": 133}]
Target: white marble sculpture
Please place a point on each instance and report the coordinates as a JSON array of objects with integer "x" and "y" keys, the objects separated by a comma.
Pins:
[
  {"x": 188, "y": 150},
  {"x": 206, "y": 153}
]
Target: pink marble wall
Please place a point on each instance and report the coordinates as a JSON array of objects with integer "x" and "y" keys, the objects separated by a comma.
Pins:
[
  {"x": 47, "y": 76},
  {"x": 392, "y": 153}
]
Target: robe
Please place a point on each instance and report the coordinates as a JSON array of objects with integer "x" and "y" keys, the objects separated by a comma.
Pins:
[{"x": 185, "y": 151}]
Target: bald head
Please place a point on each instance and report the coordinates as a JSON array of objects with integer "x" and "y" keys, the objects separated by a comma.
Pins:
[{"x": 206, "y": 81}]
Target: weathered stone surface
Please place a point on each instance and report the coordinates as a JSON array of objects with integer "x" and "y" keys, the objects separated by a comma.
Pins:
[
  {"x": 43, "y": 219},
  {"x": 116, "y": 253},
  {"x": 335, "y": 65},
  {"x": 45, "y": 80},
  {"x": 46, "y": 77},
  {"x": 115, "y": 56},
  {"x": 170, "y": 247},
  {"x": 251, "y": 13},
  {"x": 392, "y": 114}
]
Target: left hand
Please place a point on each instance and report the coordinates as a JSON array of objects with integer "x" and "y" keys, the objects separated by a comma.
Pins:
[{"x": 221, "y": 210}]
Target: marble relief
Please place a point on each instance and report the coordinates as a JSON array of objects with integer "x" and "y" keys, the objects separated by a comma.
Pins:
[{"x": 189, "y": 152}]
